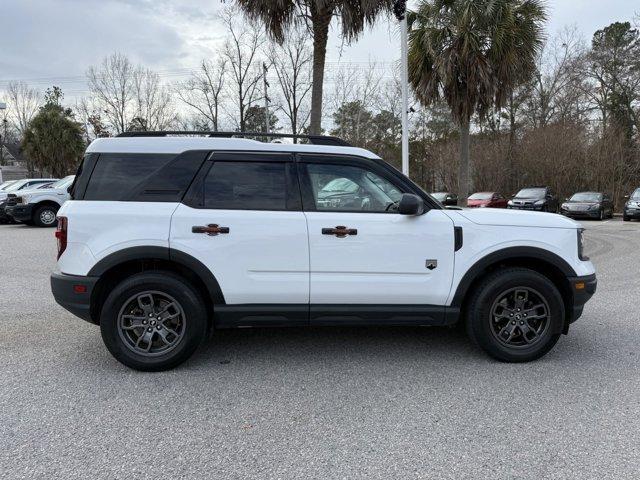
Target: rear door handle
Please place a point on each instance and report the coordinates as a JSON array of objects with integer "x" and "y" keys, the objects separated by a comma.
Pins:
[
  {"x": 340, "y": 231},
  {"x": 212, "y": 229}
]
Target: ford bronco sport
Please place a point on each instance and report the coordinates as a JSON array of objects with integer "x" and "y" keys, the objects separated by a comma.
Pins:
[{"x": 169, "y": 237}]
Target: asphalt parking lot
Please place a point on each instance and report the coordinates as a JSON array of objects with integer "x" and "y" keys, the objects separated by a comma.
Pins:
[{"x": 319, "y": 403}]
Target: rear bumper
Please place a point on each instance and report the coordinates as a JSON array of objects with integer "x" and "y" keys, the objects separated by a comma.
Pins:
[
  {"x": 21, "y": 213},
  {"x": 73, "y": 293},
  {"x": 582, "y": 289}
]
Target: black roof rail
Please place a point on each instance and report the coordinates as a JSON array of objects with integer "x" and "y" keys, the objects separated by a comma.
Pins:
[{"x": 314, "y": 139}]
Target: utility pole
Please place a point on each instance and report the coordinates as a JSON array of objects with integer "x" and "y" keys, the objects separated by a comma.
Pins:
[
  {"x": 3, "y": 136},
  {"x": 400, "y": 11},
  {"x": 266, "y": 97}
]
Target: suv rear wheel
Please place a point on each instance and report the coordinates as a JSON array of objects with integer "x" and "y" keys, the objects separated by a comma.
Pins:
[
  {"x": 515, "y": 315},
  {"x": 153, "y": 321},
  {"x": 45, "y": 216}
]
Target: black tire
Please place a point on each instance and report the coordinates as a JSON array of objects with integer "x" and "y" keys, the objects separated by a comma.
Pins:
[
  {"x": 192, "y": 329},
  {"x": 481, "y": 324},
  {"x": 625, "y": 218},
  {"x": 45, "y": 216},
  {"x": 601, "y": 217}
]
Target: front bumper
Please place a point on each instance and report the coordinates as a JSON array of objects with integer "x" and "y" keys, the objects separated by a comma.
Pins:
[
  {"x": 534, "y": 208},
  {"x": 581, "y": 213},
  {"x": 3, "y": 215},
  {"x": 73, "y": 293},
  {"x": 582, "y": 289},
  {"x": 20, "y": 213},
  {"x": 632, "y": 212}
]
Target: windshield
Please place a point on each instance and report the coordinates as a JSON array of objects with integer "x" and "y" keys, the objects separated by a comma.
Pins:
[
  {"x": 586, "y": 197},
  {"x": 3, "y": 186},
  {"x": 531, "y": 192},
  {"x": 65, "y": 182},
  {"x": 440, "y": 196},
  {"x": 481, "y": 196},
  {"x": 636, "y": 195},
  {"x": 15, "y": 186}
]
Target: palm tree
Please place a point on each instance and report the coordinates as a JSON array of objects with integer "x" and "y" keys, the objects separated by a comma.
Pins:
[
  {"x": 472, "y": 54},
  {"x": 278, "y": 15}
]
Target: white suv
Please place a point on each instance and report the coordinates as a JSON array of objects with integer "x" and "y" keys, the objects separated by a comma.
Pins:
[{"x": 167, "y": 238}]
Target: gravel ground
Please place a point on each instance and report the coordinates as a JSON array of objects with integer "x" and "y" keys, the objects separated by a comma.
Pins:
[{"x": 319, "y": 403}]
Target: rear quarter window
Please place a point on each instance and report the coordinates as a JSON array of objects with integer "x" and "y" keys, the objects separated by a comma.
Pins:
[{"x": 143, "y": 177}]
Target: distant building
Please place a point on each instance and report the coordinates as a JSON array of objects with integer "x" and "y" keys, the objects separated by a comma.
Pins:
[{"x": 13, "y": 163}]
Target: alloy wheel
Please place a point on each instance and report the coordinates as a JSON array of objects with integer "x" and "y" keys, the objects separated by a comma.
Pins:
[
  {"x": 151, "y": 323},
  {"x": 47, "y": 217},
  {"x": 519, "y": 317}
]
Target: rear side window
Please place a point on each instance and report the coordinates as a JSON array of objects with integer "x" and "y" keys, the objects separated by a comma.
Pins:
[
  {"x": 139, "y": 177},
  {"x": 246, "y": 186},
  {"x": 115, "y": 177}
]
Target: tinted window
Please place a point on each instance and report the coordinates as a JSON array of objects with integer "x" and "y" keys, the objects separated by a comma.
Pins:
[
  {"x": 349, "y": 188},
  {"x": 246, "y": 186},
  {"x": 115, "y": 177}
]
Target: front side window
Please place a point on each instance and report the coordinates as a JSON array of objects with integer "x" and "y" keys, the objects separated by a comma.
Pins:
[
  {"x": 351, "y": 189},
  {"x": 246, "y": 186}
]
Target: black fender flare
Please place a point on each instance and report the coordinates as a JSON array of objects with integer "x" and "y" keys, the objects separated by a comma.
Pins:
[
  {"x": 510, "y": 253},
  {"x": 162, "y": 253}
]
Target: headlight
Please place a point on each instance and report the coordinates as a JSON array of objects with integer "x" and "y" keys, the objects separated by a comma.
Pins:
[
  {"x": 539, "y": 203},
  {"x": 594, "y": 206},
  {"x": 23, "y": 199},
  {"x": 581, "y": 254},
  {"x": 510, "y": 202}
]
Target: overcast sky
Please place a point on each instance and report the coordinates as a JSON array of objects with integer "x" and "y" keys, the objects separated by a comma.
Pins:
[{"x": 47, "y": 42}]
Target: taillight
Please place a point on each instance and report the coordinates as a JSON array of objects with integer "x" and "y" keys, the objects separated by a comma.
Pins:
[{"x": 61, "y": 235}]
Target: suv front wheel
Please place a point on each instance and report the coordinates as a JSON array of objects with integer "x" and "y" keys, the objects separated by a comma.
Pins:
[
  {"x": 153, "y": 321},
  {"x": 515, "y": 315}
]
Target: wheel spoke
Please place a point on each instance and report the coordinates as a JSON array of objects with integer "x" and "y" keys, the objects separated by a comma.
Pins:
[
  {"x": 134, "y": 321},
  {"x": 526, "y": 329},
  {"x": 146, "y": 303}
]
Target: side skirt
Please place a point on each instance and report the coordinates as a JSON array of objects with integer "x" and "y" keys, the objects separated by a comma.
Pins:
[{"x": 296, "y": 315}]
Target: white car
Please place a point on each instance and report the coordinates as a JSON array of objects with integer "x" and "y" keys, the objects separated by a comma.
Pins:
[
  {"x": 15, "y": 187},
  {"x": 39, "y": 206},
  {"x": 168, "y": 238}
]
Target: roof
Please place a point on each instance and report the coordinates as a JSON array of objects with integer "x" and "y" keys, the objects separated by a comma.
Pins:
[{"x": 183, "y": 144}]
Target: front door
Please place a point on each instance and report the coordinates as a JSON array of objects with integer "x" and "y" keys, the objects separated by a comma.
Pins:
[
  {"x": 361, "y": 250},
  {"x": 244, "y": 222}
]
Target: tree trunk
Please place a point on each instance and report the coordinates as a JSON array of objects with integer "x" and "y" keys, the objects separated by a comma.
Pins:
[
  {"x": 463, "y": 171},
  {"x": 321, "y": 18}
]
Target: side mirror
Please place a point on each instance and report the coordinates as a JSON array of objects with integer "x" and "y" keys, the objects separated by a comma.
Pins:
[{"x": 410, "y": 204}]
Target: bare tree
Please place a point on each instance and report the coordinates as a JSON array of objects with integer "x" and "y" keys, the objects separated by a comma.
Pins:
[
  {"x": 203, "y": 91},
  {"x": 24, "y": 103},
  {"x": 241, "y": 53},
  {"x": 292, "y": 64},
  {"x": 153, "y": 103},
  {"x": 129, "y": 96}
]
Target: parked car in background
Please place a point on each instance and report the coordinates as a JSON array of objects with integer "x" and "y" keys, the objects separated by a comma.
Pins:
[
  {"x": 541, "y": 199},
  {"x": 446, "y": 198},
  {"x": 17, "y": 186},
  {"x": 487, "y": 199},
  {"x": 596, "y": 205},
  {"x": 632, "y": 206},
  {"x": 39, "y": 206}
]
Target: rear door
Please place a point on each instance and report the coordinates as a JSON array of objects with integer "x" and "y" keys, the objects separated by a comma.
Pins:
[
  {"x": 242, "y": 218},
  {"x": 362, "y": 251}
]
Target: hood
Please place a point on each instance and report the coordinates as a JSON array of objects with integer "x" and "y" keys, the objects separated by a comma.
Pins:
[
  {"x": 529, "y": 199},
  {"x": 517, "y": 218}
]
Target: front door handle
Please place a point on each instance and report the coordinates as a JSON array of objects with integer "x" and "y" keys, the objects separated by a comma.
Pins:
[
  {"x": 339, "y": 231},
  {"x": 212, "y": 229}
]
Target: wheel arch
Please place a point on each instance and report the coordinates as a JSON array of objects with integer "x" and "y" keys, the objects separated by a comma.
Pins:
[
  {"x": 119, "y": 265},
  {"x": 542, "y": 261}
]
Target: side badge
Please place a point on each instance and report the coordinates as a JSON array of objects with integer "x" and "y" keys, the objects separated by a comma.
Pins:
[{"x": 432, "y": 264}]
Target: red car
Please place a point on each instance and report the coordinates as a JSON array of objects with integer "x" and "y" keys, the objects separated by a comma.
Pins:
[{"x": 487, "y": 199}]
